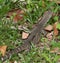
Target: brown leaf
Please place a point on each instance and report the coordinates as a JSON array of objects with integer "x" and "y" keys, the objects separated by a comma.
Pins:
[
  {"x": 55, "y": 50},
  {"x": 49, "y": 36},
  {"x": 25, "y": 35},
  {"x": 3, "y": 50},
  {"x": 17, "y": 18},
  {"x": 55, "y": 29},
  {"x": 49, "y": 28},
  {"x": 19, "y": 14}
]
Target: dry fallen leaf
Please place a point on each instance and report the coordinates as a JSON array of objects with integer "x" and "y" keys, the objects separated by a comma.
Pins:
[
  {"x": 17, "y": 13},
  {"x": 49, "y": 36},
  {"x": 55, "y": 50},
  {"x": 25, "y": 35},
  {"x": 17, "y": 18},
  {"x": 3, "y": 50},
  {"x": 55, "y": 29},
  {"x": 49, "y": 28},
  {"x": 15, "y": 62}
]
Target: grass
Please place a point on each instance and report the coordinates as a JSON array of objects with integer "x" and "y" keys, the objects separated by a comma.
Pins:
[{"x": 33, "y": 10}]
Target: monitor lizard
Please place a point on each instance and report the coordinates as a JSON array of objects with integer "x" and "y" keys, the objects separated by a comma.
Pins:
[{"x": 33, "y": 37}]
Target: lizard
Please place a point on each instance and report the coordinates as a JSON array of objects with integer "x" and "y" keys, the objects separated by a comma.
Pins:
[{"x": 33, "y": 37}]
